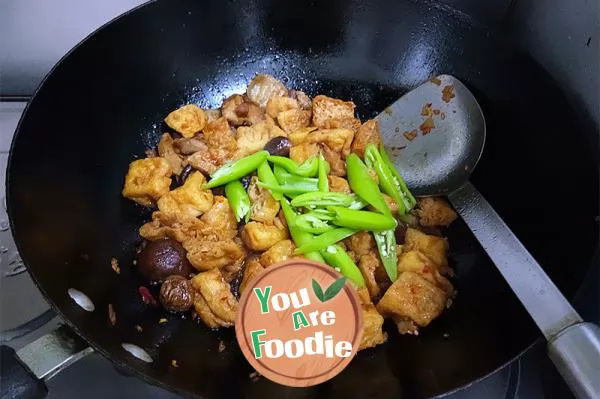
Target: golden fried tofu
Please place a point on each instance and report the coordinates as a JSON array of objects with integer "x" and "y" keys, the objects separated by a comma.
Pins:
[
  {"x": 206, "y": 255},
  {"x": 251, "y": 139},
  {"x": 338, "y": 140},
  {"x": 302, "y": 152},
  {"x": 362, "y": 243},
  {"x": 391, "y": 204},
  {"x": 368, "y": 264},
  {"x": 338, "y": 184},
  {"x": 147, "y": 180},
  {"x": 264, "y": 207},
  {"x": 279, "y": 252},
  {"x": 218, "y": 298},
  {"x": 260, "y": 237},
  {"x": 433, "y": 247},
  {"x": 263, "y": 87},
  {"x": 368, "y": 133},
  {"x": 414, "y": 297},
  {"x": 177, "y": 226},
  {"x": 336, "y": 163},
  {"x": 253, "y": 269},
  {"x": 301, "y": 135},
  {"x": 373, "y": 334},
  {"x": 220, "y": 140},
  {"x": 190, "y": 199},
  {"x": 166, "y": 150},
  {"x": 304, "y": 100},
  {"x": 187, "y": 120},
  {"x": 221, "y": 219},
  {"x": 434, "y": 211},
  {"x": 294, "y": 119},
  {"x": 277, "y": 104},
  {"x": 240, "y": 111},
  {"x": 329, "y": 113},
  {"x": 417, "y": 262},
  {"x": 212, "y": 114}
]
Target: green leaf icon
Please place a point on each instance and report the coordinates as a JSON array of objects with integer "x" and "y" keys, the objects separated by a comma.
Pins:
[
  {"x": 318, "y": 290},
  {"x": 330, "y": 292},
  {"x": 334, "y": 289}
]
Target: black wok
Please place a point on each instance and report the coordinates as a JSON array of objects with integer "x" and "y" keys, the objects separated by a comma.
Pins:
[{"x": 103, "y": 105}]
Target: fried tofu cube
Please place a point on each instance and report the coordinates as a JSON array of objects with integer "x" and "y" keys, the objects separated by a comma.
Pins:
[
  {"x": 216, "y": 292},
  {"x": 251, "y": 139},
  {"x": 206, "y": 255},
  {"x": 293, "y": 119},
  {"x": 260, "y": 237},
  {"x": 279, "y": 252},
  {"x": 278, "y": 104},
  {"x": 166, "y": 150},
  {"x": 264, "y": 207},
  {"x": 434, "y": 211},
  {"x": 190, "y": 199},
  {"x": 177, "y": 226},
  {"x": 338, "y": 184},
  {"x": 220, "y": 219},
  {"x": 367, "y": 265},
  {"x": 334, "y": 159},
  {"x": 338, "y": 140},
  {"x": 417, "y": 262},
  {"x": 368, "y": 133},
  {"x": 253, "y": 269},
  {"x": 147, "y": 180},
  {"x": 220, "y": 140},
  {"x": 330, "y": 113},
  {"x": 302, "y": 152},
  {"x": 263, "y": 87},
  {"x": 433, "y": 247},
  {"x": 373, "y": 334},
  {"x": 362, "y": 243},
  {"x": 187, "y": 120},
  {"x": 413, "y": 296}
]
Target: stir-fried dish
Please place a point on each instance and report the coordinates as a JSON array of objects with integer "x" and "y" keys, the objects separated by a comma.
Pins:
[{"x": 274, "y": 174}]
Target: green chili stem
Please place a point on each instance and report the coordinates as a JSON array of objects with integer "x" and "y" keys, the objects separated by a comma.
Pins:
[
  {"x": 362, "y": 220},
  {"x": 326, "y": 239},
  {"x": 238, "y": 199},
  {"x": 336, "y": 257},
  {"x": 237, "y": 169}
]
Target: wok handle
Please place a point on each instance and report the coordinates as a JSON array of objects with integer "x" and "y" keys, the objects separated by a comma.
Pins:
[
  {"x": 575, "y": 352},
  {"x": 24, "y": 372},
  {"x": 574, "y": 346}
]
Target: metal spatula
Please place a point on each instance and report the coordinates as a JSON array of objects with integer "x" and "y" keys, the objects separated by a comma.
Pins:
[{"x": 435, "y": 135}]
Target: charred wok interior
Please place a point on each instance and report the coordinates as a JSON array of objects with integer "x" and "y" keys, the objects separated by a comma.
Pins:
[
  {"x": 230, "y": 237},
  {"x": 104, "y": 104}
]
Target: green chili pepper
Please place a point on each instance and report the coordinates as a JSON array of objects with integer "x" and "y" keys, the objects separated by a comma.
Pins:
[
  {"x": 362, "y": 220},
  {"x": 237, "y": 169},
  {"x": 399, "y": 181},
  {"x": 322, "y": 199},
  {"x": 357, "y": 203},
  {"x": 388, "y": 181},
  {"x": 265, "y": 175},
  {"x": 300, "y": 237},
  {"x": 309, "y": 168},
  {"x": 312, "y": 223},
  {"x": 323, "y": 171},
  {"x": 326, "y": 239},
  {"x": 306, "y": 184},
  {"x": 363, "y": 184},
  {"x": 336, "y": 257},
  {"x": 238, "y": 200},
  {"x": 287, "y": 190},
  {"x": 386, "y": 244}
]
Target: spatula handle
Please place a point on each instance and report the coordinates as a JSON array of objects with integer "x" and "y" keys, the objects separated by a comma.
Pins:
[{"x": 574, "y": 346}]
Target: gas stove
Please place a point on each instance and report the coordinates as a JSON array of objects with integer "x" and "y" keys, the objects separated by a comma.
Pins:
[{"x": 26, "y": 316}]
